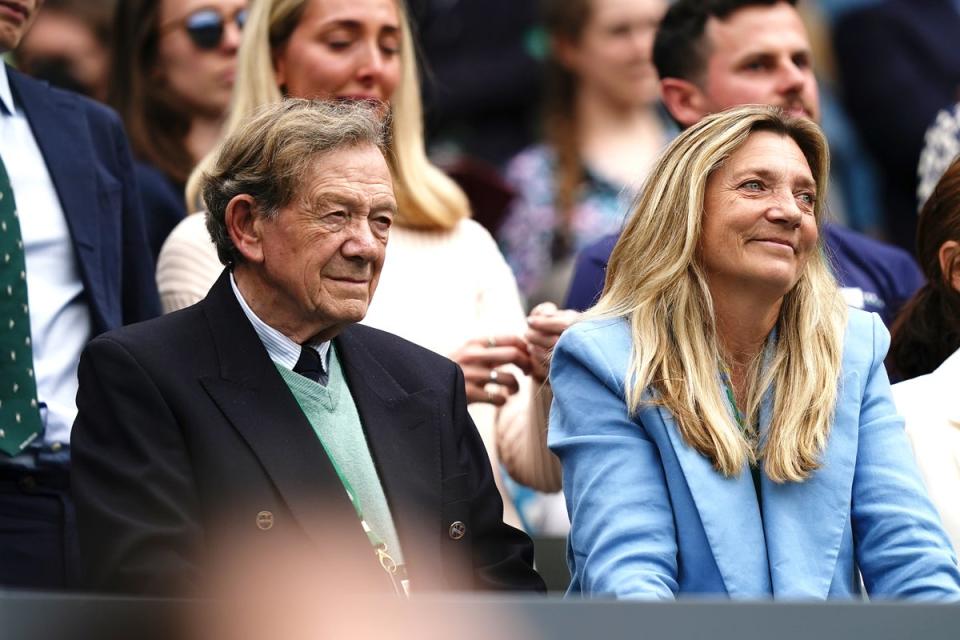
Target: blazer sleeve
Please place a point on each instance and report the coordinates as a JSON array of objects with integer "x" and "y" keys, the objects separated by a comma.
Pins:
[
  {"x": 132, "y": 480},
  {"x": 501, "y": 556},
  {"x": 901, "y": 546},
  {"x": 622, "y": 538},
  {"x": 140, "y": 300}
]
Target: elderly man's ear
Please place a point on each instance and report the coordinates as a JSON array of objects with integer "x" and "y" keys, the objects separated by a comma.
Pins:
[{"x": 245, "y": 227}]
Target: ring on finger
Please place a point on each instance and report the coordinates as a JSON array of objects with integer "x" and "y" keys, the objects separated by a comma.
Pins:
[
  {"x": 489, "y": 397},
  {"x": 494, "y": 374},
  {"x": 491, "y": 342}
]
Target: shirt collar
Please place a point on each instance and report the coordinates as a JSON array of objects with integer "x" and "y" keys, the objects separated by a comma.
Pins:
[
  {"x": 6, "y": 94},
  {"x": 281, "y": 349}
]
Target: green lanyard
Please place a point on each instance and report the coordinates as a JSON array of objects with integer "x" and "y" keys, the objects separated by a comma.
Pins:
[
  {"x": 397, "y": 572},
  {"x": 728, "y": 385}
]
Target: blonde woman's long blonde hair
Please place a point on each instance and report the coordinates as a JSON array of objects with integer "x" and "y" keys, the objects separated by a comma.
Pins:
[
  {"x": 655, "y": 280},
  {"x": 426, "y": 197}
]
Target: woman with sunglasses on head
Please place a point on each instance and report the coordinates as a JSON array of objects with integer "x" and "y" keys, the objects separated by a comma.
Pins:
[
  {"x": 445, "y": 285},
  {"x": 171, "y": 81}
]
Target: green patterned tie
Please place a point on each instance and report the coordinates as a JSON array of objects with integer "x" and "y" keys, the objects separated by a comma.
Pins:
[{"x": 19, "y": 415}]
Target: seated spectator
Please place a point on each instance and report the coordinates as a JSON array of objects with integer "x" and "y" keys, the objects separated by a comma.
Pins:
[
  {"x": 446, "y": 286},
  {"x": 716, "y": 54},
  {"x": 68, "y": 45},
  {"x": 899, "y": 65},
  {"x": 171, "y": 81},
  {"x": 602, "y": 130},
  {"x": 926, "y": 349},
  {"x": 263, "y": 408},
  {"x": 724, "y": 422}
]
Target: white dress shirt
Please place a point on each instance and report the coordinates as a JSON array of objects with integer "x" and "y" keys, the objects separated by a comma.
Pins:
[
  {"x": 60, "y": 322},
  {"x": 281, "y": 349}
]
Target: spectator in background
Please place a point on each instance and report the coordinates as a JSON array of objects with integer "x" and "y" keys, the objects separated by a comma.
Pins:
[
  {"x": 602, "y": 130},
  {"x": 69, "y": 46},
  {"x": 926, "y": 348},
  {"x": 75, "y": 264},
  {"x": 481, "y": 75},
  {"x": 445, "y": 286},
  {"x": 171, "y": 82},
  {"x": 899, "y": 65},
  {"x": 724, "y": 422},
  {"x": 716, "y": 54}
]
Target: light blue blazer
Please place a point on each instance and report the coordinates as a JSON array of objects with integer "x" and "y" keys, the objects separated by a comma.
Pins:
[{"x": 651, "y": 518}]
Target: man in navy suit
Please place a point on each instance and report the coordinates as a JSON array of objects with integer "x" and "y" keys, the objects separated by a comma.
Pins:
[
  {"x": 717, "y": 54},
  {"x": 84, "y": 259}
]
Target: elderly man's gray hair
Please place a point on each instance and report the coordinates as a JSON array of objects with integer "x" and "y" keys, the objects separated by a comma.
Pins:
[{"x": 271, "y": 154}]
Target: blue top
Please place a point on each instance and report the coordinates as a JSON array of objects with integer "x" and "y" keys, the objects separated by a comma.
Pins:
[
  {"x": 874, "y": 276},
  {"x": 651, "y": 518}
]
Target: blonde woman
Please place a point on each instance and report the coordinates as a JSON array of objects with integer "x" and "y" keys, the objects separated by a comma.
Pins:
[
  {"x": 724, "y": 424},
  {"x": 445, "y": 285}
]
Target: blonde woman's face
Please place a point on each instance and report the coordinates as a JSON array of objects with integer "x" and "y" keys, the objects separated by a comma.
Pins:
[
  {"x": 759, "y": 228},
  {"x": 342, "y": 49}
]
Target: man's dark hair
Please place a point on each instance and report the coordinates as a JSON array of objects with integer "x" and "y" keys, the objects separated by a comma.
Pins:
[{"x": 679, "y": 50}]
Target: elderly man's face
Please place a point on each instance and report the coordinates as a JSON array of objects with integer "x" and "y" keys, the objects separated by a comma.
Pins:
[{"x": 322, "y": 255}]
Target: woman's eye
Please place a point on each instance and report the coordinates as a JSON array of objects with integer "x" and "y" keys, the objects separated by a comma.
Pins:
[
  {"x": 752, "y": 185},
  {"x": 806, "y": 198},
  {"x": 390, "y": 47}
]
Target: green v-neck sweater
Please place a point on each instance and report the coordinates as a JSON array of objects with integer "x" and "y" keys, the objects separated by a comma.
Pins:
[{"x": 333, "y": 416}]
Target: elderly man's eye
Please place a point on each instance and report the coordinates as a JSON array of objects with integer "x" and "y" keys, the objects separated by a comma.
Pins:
[{"x": 381, "y": 224}]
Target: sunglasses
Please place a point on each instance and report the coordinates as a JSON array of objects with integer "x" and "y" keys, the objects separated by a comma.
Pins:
[{"x": 205, "y": 26}]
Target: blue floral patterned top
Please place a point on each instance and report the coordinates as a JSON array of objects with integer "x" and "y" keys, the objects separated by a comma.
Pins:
[{"x": 528, "y": 233}]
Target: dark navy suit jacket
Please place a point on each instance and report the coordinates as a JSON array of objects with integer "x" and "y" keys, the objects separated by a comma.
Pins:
[
  {"x": 88, "y": 158},
  {"x": 886, "y": 276}
]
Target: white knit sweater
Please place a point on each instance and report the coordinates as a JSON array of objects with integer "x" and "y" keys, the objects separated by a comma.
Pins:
[{"x": 437, "y": 289}]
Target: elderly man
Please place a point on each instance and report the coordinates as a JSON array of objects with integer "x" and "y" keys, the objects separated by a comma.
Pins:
[
  {"x": 717, "y": 54},
  {"x": 264, "y": 409}
]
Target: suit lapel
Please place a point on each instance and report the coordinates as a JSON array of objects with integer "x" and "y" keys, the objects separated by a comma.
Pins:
[
  {"x": 806, "y": 520},
  {"x": 402, "y": 434},
  {"x": 258, "y": 403},
  {"x": 730, "y": 516},
  {"x": 63, "y": 137}
]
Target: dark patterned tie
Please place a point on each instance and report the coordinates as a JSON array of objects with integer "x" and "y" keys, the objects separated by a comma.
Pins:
[
  {"x": 19, "y": 414},
  {"x": 309, "y": 365}
]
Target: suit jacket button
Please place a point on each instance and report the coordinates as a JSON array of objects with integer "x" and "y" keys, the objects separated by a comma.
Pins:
[
  {"x": 457, "y": 530},
  {"x": 264, "y": 520}
]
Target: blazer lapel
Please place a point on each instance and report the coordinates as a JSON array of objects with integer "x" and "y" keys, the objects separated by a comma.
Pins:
[
  {"x": 806, "y": 520},
  {"x": 402, "y": 430},
  {"x": 730, "y": 516},
  {"x": 63, "y": 137},
  {"x": 256, "y": 401}
]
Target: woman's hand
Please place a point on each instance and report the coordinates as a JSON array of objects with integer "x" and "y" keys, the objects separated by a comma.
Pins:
[
  {"x": 480, "y": 360},
  {"x": 545, "y": 324}
]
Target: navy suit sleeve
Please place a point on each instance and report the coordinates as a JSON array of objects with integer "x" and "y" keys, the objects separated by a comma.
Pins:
[
  {"x": 140, "y": 300},
  {"x": 589, "y": 274},
  {"x": 137, "y": 503},
  {"x": 502, "y": 557}
]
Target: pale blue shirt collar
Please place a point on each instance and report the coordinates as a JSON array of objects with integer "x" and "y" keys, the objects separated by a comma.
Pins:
[
  {"x": 281, "y": 349},
  {"x": 6, "y": 94}
]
